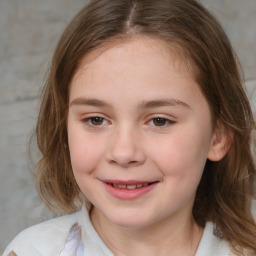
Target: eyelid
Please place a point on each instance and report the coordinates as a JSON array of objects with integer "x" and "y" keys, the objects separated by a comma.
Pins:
[
  {"x": 86, "y": 118},
  {"x": 92, "y": 115}
]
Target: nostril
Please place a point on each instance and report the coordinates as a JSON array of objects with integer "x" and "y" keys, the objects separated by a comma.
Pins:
[{"x": 124, "y": 164}]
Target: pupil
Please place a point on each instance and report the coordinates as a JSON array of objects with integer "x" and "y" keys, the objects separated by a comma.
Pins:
[
  {"x": 97, "y": 120},
  {"x": 159, "y": 121}
]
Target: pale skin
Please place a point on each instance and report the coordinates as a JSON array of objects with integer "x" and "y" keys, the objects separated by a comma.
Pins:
[{"x": 137, "y": 115}]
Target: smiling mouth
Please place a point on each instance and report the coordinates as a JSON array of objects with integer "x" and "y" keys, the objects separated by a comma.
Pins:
[
  {"x": 130, "y": 186},
  {"x": 129, "y": 189}
]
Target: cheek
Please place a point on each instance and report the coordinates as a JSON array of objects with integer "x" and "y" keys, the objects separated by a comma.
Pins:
[
  {"x": 182, "y": 156},
  {"x": 85, "y": 156},
  {"x": 85, "y": 153},
  {"x": 182, "y": 167}
]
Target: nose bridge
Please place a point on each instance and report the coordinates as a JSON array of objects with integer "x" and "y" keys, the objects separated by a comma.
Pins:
[{"x": 125, "y": 146}]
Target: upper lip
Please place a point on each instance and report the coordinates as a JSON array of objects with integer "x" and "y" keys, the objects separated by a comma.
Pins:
[{"x": 129, "y": 182}]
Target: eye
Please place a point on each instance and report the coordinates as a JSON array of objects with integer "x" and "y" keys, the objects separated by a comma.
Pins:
[
  {"x": 159, "y": 121},
  {"x": 95, "y": 121}
]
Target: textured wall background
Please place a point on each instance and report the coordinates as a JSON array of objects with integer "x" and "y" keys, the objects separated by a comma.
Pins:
[{"x": 29, "y": 30}]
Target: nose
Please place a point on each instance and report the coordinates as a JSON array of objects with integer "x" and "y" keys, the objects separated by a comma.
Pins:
[{"x": 125, "y": 148}]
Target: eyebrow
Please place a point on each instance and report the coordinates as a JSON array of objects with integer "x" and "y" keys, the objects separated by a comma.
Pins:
[
  {"x": 162, "y": 103},
  {"x": 143, "y": 105},
  {"x": 89, "y": 102}
]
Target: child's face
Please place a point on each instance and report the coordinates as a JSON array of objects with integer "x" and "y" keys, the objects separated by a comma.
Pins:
[{"x": 139, "y": 133}]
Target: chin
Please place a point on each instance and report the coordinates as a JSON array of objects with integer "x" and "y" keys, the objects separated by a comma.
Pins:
[{"x": 130, "y": 220}]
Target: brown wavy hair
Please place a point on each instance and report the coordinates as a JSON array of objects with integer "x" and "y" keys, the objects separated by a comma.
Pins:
[{"x": 226, "y": 191}]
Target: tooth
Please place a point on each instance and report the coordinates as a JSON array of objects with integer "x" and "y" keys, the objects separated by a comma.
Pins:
[
  {"x": 145, "y": 184},
  {"x": 139, "y": 185},
  {"x": 115, "y": 186},
  {"x": 121, "y": 186},
  {"x": 131, "y": 186}
]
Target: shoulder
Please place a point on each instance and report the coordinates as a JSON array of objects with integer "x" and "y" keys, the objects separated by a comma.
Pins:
[{"x": 46, "y": 238}]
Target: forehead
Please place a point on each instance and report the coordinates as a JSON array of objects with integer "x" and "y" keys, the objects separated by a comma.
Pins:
[
  {"x": 142, "y": 46},
  {"x": 135, "y": 71}
]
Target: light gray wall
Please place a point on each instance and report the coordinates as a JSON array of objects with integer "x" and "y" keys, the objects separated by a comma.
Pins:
[{"x": 29, "y": 30}]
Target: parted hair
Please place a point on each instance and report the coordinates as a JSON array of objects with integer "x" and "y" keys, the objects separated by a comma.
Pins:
[{"x": 226, "y": 191}]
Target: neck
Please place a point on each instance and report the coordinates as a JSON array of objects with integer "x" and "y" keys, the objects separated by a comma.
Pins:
[{"x": 171, "y": 236}]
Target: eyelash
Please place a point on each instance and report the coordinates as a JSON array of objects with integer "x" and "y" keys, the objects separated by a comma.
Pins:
[
  {"x": 166, "y": 121},
  {"x": 89, "y": 121}
]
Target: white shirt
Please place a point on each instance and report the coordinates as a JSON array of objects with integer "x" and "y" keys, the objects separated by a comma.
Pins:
[{"x": 75, "y": 235}]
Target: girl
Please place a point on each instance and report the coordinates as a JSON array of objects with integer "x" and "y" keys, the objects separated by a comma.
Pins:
[{"x": 146, "y": 133}]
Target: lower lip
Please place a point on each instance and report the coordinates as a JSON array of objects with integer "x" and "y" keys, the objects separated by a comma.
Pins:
[{"x": 127, "y": 194}]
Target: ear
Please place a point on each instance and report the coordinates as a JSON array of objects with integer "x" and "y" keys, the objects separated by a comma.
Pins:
[{"x": 221, "y": 142}]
